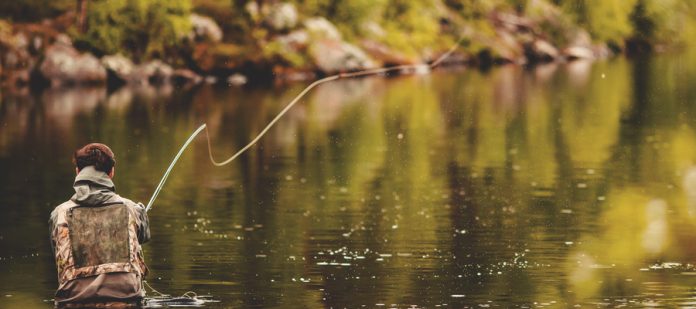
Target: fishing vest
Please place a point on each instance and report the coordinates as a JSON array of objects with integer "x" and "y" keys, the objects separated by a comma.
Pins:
[{"x": 93, "y": 240}]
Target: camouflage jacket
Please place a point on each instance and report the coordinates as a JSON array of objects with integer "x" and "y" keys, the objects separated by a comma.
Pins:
[{"x": 75, "y": 247}]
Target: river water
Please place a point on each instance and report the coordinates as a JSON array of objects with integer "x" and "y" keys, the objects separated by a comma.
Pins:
[{"x": 555, "y": 186}]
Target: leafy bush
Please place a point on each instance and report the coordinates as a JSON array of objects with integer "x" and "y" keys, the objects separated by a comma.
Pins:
[
  {"x": 411, "y": 25},
  {"x": 613, "y": 21},
  {"x": 348, "y": 15},
  {"x": 662, "y": 21},
  {"x": 229, "y": 15},
  {"x": 138, "y": 28},
  {"x": 607, "y": 20}
]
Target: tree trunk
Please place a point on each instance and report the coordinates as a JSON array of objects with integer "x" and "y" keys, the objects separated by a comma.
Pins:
[{"x": 82, "y": 15}]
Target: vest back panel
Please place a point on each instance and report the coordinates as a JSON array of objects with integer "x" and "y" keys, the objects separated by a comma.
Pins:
[{"x": 99, "y": 235}]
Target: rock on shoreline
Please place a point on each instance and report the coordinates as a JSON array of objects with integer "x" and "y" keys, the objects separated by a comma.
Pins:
[{"x": 64, "y": 65}]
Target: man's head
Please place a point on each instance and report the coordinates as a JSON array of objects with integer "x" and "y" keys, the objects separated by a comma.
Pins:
[{"x": 95, "y": 154}]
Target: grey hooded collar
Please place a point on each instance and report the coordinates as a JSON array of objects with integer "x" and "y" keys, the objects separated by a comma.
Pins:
[{"x": 92, "y": 187}]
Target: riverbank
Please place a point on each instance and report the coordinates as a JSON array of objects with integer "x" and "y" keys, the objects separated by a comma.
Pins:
[{"x": 284, "y": 41}]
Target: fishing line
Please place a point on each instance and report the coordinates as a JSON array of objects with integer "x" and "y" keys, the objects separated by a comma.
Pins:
[
  {"x": 292, "y": 103},
  {"x": 189, "y": 298}
]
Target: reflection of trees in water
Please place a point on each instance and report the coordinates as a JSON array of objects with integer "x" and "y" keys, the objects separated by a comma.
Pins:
[
  {"x": 550, "y": 174},
  {"x": 556, "y": 148},
  {"x": 54, "y": 109},
  {"x": 645, "y": 218},
  {"x": 64, "y": 111},
  {"x": 473, "y": 170}
]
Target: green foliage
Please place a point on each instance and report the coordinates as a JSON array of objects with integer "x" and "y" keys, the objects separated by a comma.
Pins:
[
  {"x": 349, "y": 13},
  {"x": 643, "y": 23},
  {"x": 277, "y": 50},
  {"x": 231, "y": 18},
  {"x": 662, "y": 21},
  {"x": 613, "y": 21},
  {"x": 607, "y": 20},
  {"x": 411, "y": 25},
  {"x": 556, "y": 24},
  {"x": 479, "y": 9},
  {"x": 156, "y": 28},
  {"x": 139, "y": 28}
]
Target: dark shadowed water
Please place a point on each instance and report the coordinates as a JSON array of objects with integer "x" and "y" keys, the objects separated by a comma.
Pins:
[{"x": 557, "y": 186}]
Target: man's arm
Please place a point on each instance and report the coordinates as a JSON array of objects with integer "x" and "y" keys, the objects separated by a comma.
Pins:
[
  {"x": 51, "y": 228},
  {"x": 143, "y": 223}
]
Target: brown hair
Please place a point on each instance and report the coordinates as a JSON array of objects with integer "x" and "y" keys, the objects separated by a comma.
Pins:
[{"x": 96, "y": 154}]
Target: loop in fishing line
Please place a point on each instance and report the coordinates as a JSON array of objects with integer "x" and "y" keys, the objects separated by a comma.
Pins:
[{"x": 285, "y": 110}]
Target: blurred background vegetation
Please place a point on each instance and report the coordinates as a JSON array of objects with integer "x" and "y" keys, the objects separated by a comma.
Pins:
[
  {"x": 147, "y": 28},
  {"x": 299, "y": 39}
]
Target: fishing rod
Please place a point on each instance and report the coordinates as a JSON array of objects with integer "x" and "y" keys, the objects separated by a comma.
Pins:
[
  {"x": 171, "y": 166},
  {"x": 292, "y": 103}
]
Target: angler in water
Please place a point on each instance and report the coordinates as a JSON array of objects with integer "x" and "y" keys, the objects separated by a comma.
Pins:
[{"x": 96, "y": 237}]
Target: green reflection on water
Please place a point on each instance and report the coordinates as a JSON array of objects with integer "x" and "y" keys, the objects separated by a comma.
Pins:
[{"x": 559, "y": 184}]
